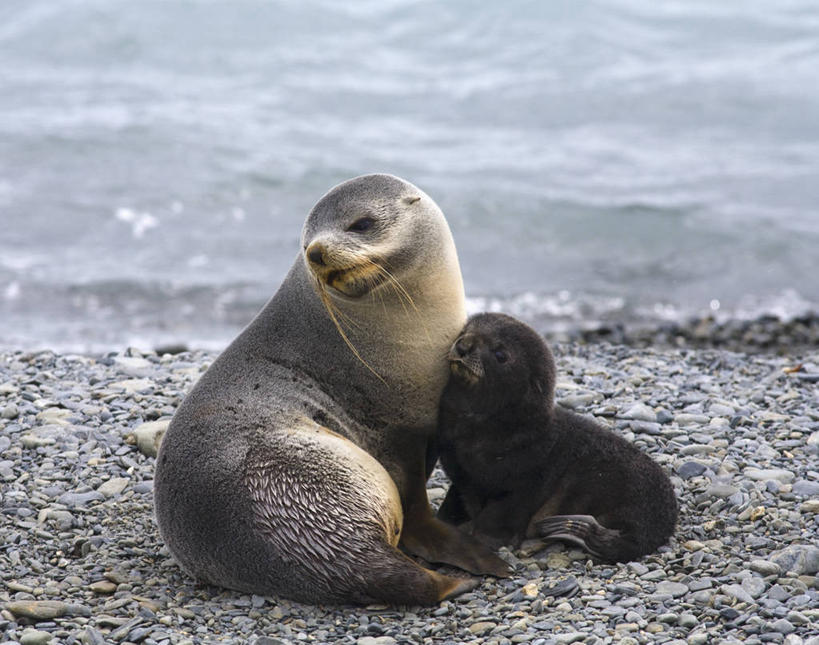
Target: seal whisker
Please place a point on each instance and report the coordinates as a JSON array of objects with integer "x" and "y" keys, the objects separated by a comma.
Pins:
[
  {"x": 328, "y": 304},
  {"x": 331, "y": 311},
  {"x": 400, "y": 291},
  {"x": 380, "y": 266}
]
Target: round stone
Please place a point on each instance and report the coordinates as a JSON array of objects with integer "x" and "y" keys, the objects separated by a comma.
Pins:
[
  {"x": 675, "y": 589},
  {"x": 103, "y": 587},
  {"x": 149, "y": 435},
  {"x": 35, "y": 637},
  {"x": 759, "y": 474},
  {"x": 691, "y": 469},
  {"x": 783, "y": 626},
  {"x": 798, "y": 558},
  {"x": 805, "y": 488},
  {"x": 639, "y": 412},
  {"x": 765, "y": 567}
]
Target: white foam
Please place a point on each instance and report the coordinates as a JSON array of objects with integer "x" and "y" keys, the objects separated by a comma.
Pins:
[{"x": 140, "y": 221}]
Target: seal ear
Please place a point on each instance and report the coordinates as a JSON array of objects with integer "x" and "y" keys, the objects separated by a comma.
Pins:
[{"x": 411, "y": 199}]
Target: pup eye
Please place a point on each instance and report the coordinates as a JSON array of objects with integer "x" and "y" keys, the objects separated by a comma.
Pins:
[
  {"x": 501, "y": 355},
  {"x": 361, "y": 224}
]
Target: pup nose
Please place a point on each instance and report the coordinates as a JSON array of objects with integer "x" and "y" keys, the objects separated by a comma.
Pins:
[
  {"x": 315, "y": 253},
  {"x": 464, "y": 345}
]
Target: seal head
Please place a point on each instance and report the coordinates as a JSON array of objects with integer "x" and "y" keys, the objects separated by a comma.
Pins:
[
  {"x": 366, "y": 233},
  {"x": 501, "y": 363}
]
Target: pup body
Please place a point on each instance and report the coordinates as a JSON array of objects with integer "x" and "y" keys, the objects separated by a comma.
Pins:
[{"x": 522, "y": 467}]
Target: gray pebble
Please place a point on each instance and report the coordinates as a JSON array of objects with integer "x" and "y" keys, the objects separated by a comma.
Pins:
[
  {"x": 783, "y": 626},
  {"x": 664, "y": 416},
  {"x": 149, "y": 436},
  {"x": 805, "y": 488},
  {"x": 765, "y": 567},
  {"x": 778, "y": 593},
  {"x": 35, "y": 637},
  {"x": 736, "y": 591},
  {"x": 640, "y": 412},
  {"x": 688, "y": 621},
  {"x": 813, "y": 442},
  {"x": 113, "y": 486},
  {"x": 763, "y": 474},
  {"x": 675, "y": 589},
  {"x": 691, "y": 469},
  {"x": 754, "y": 586},
  {"x": 721, "y": 490},
  {"x": 80, "y": 499},
  {"x": 798, "y": 558},
  {"x": 377, "y": 640}
]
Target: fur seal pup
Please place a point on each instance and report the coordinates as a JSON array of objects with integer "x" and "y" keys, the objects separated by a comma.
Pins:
[
  {"x": 522, "y": 467},
  {"x": 298, "y": 462}
]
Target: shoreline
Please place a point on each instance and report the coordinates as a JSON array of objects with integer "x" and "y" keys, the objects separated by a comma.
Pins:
[
  {"x": 738, "y": 433},
  {"x": 765, "y": 334}
]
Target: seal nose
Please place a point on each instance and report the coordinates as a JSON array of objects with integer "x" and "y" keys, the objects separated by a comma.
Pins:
[
  {"x": 315, "y": 253},
  {"x": 464, "y": 345}
]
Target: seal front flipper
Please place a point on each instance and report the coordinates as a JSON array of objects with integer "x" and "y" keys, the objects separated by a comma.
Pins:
[
  {"x": 436, "y": 541},
  {"x": 428, "y": 537},
  {"x": 608, "y": 545}
]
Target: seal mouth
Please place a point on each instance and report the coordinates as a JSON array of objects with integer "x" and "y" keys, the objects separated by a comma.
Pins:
[
  {"x": 354, "y": 281},
  {"x": 468, "y": 369}
]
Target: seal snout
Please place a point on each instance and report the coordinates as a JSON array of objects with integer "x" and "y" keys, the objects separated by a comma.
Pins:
[
  {"x": 464, "y": 345},
  {"x": 461, "y": 348},
  {"x": 464, "y": 361},
  {"x": 315, "y": 252}
]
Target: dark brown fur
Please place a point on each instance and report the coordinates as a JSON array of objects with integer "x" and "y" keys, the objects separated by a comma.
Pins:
[{"x": 522, "y": 467}]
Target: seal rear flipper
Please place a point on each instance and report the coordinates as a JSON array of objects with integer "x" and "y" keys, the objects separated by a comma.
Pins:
[
  {"x": 607, "y": 545},
  {"x": 398, "y": 580}
]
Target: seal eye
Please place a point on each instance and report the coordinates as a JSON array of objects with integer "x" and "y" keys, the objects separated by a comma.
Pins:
[
  {"x": 361, "y": 225},
  {"x": 501, "y": 355}
]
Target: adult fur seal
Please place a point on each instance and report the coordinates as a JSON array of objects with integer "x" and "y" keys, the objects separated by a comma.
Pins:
[
  {"x": 522, "y": 467},
  {"x": 298, "y": 461}
]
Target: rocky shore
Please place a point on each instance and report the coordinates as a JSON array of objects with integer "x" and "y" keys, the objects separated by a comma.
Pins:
[
  {"x": 765, "y": 334},
  {"x": 81, "y": 560}
]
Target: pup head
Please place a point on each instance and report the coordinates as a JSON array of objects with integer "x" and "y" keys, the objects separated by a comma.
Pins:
[{"x": 501, "y": 361}]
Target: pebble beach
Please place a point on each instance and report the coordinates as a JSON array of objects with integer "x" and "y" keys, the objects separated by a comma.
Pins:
[{"x": 81, "y": 560}]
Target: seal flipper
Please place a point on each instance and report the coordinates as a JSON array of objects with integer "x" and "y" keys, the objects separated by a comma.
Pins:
[
  {"x": 405, "y": 582},
  {"x": 396, "y": 579},
  {"x": 432, "y": 539},
  {"x": 608, "y": 545},
  {"x": 436, "y": 541}
]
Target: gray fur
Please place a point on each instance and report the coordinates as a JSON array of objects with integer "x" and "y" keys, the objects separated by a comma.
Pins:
[{"x": 247, "y": 497}]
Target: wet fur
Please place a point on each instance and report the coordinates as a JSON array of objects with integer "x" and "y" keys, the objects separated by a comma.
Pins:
[{"x": 519, "y": 464}]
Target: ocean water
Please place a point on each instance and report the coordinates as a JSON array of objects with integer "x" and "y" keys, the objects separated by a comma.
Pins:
[{"x": 623, "y": 160}]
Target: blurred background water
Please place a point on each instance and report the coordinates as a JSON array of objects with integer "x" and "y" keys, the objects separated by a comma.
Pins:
[{"x": 623, "y": 160}]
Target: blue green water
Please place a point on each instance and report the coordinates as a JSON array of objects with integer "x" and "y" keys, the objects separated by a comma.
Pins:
[{"x": 628, "y": 159}]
